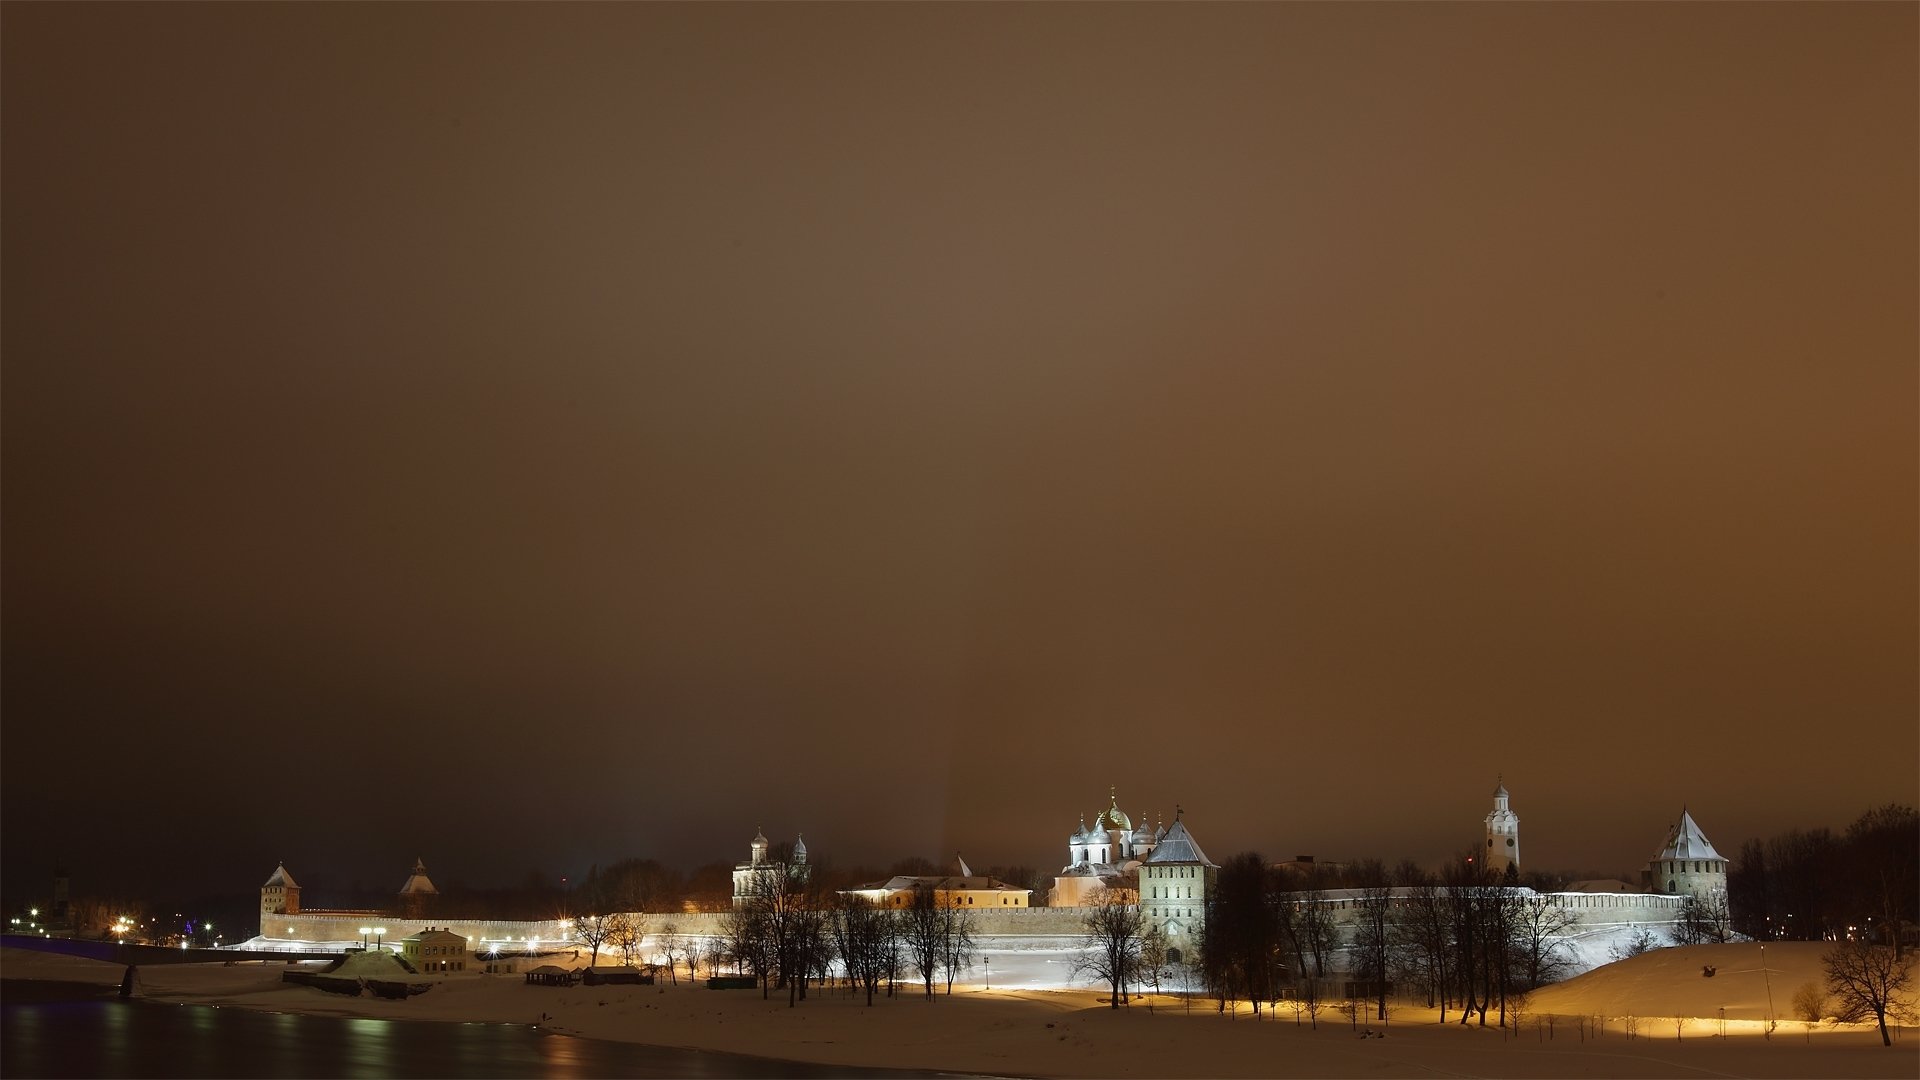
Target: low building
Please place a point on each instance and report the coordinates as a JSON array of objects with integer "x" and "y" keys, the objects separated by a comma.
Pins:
[
  {"x": 965, "y": 889},
  {"x": 435, "y": 950}
]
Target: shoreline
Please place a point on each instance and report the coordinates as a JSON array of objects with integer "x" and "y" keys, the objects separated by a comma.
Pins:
[{"x": 1064, "y": 1035}]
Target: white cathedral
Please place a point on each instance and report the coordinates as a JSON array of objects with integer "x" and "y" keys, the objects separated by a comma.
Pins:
[{"x": 1104, "y": 856}]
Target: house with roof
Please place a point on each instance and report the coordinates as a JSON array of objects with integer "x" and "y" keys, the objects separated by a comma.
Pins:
[
  {"x": 435, "y": 950},
  {"x": 964, "y": 889}
]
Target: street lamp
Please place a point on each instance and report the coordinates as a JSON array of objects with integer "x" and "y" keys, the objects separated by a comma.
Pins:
[
  {"x": 379, "y": 934},
  {"x": 366, "y": 933},
  {"x": 988, "y": 960}
]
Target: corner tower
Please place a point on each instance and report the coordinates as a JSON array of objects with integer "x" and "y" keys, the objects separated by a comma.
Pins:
[
  {"x": 1502, "y": 852},
  {"x": 1688, "y": 863},
  {"x": 280, "y": 895}
]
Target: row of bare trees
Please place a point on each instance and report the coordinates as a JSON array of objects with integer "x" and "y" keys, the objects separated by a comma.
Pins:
[
  {"x": 789, "y": 933},
  {"x": 1466, "y": 938}
]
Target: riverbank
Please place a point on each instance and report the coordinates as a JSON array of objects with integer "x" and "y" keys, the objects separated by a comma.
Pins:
[{"x": 1043, "y": 1033}]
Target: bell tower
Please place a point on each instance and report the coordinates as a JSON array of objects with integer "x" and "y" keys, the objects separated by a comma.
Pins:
[{"x": 1503, "y": 835}]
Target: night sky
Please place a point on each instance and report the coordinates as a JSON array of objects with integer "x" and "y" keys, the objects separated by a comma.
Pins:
[{"x": 525, "y": 436}]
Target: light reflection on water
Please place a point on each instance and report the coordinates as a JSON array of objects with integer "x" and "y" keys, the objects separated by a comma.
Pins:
[{"x": 110, "y": 1037}]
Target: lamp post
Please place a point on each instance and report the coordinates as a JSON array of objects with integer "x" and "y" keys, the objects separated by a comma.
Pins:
[
  {"x": 379, "y": 937},
  {"x": 988, "y": 960},
  {"x": 366, "y": 932}
]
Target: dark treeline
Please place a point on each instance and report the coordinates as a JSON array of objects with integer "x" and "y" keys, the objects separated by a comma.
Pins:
[
  {"x": 1464, "y": 938},
  {"x": 1816, "y": 885}
]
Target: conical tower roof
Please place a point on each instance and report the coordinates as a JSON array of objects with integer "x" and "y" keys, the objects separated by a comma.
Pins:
[
  {"x": 281, "y": 878},
  {"x": 1178, "y": 846},
  {"x": 417, "y": 881},
  {"x": 1686, "y": 841}
]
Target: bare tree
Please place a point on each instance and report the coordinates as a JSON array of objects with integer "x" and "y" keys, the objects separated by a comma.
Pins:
[
  {"x": 956, "y": 941},
  {"x": 865, "y": 935},
  {"x": 1422, "y": 938},
  {"x": 1540, "y": 925},
  {"x": 1372, "y": 942},
  {"x": 672, "y": 948},
  {"x": 749, "y": 941},
  {"x": 626, "y": 931},
  {"x": 1702, "y": 919},
  {"x": 698, "y": 951},
  {"x": 1153, "y": 957},
  {"x": 1639, "y": 940},
  {"x": 1111, "y": 943},
  {"x": 1869, "y": 980},
  {"x": 594, "y": 931},
  {"x": 1241, "y": 936},
  {"x": 921, "y": 933}
]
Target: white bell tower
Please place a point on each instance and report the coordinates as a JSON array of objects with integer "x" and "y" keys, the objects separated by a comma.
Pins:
[{"x": 1503, "y": 835}]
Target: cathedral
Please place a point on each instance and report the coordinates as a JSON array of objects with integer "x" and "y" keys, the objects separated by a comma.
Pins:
[{"x": 1104, "y": 856}]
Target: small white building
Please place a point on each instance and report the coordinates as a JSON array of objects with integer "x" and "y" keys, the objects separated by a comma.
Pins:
[
  {"x": 1687, "y": 863},
  {"x": 1176, "y": 878}
]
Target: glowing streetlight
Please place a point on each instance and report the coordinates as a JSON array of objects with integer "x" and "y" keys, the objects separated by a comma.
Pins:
[
  {"x": 365, "y": 933},
  {"x": 380, "y": 934}
]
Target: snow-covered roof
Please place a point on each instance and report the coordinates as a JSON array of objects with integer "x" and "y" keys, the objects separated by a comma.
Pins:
[
  {"x": 417, "y": 881},
  {"x": 1091, "y": 869},
  {"x": 1178, "y": 846},
  {"x": 909, "y": 882},
  {"x": 1686, "y": 841},
  {"x": 281, "y": 878},
  {"x": 434, "y": 933}
]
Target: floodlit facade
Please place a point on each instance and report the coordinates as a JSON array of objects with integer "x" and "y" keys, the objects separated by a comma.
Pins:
[
  {"x": 1503, "y": 834},
  {"x": 964, "y": 890},
  {"x": 759, "y": 864},
  {"x": 1687, "y": 863},
  {"x": 1176, "y": 878},
  {"x": 1103, "y": 859}
]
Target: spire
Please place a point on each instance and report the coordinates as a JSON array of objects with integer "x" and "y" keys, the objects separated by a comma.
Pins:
[{"x": 964, "y": 871}]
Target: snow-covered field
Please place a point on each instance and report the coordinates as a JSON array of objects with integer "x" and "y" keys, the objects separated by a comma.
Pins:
[{"x": 1015, "y": 1030}]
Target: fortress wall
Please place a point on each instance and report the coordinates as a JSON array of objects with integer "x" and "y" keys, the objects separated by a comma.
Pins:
[
  {"x": 343, "y": 928},
  {"x": 1593, "y": 910}
]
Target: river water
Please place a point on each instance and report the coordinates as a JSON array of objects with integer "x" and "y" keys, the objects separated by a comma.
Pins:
[{"x": 65, "y": 1029}]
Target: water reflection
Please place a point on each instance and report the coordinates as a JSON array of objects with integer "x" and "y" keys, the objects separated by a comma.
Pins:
[{"x": 111, "y": 1037}]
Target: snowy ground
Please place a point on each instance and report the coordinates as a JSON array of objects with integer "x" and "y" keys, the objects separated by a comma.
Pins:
[{"x": 1071, "y": 1033}]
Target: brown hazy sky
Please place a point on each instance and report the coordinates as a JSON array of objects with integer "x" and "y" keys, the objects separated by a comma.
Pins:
[{"x": 531, "y": 435}]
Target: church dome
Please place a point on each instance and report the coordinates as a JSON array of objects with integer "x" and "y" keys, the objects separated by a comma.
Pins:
[{"x": 1117, "y": 819}]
